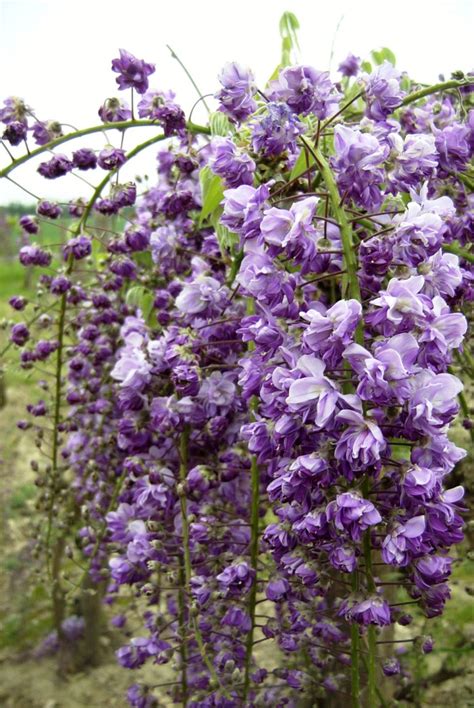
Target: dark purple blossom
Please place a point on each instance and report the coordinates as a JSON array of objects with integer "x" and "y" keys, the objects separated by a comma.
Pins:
[{"x": 132, "y": 72}]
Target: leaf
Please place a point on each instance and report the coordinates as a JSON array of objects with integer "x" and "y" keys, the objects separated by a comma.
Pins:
[
  {"x": 219, "y": 124},
  {"x": 305, "y": 159},
  {"x": 366, "y": 66},
  {"x": 140, "y": 297},
  {"x": 227, "y": 239},
  {"x": 289, "y": 27},
  {"x": 212, "y": 191},
  {"x": 383, "y": 54},
  {"x": 132, "y": 298}
]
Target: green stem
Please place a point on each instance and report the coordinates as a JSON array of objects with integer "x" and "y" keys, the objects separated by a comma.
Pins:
[
  {"x": 188, "y": 74},
  {"x": 371, "y": 635},
  {"x": 355, "y": 665},
  {"x": 353, "y": 290},
  {"x": 182, "y": 631},
  {"x": 255, "y": 487},
  {"x": 234, "y": 269},
  {"x": 183, "y": 471},
  {"x": 120, "y": 125},
  {"x": 458, "y": 251},
  {"x": 453, "y": 83},
  {"x": 351, "y": 281}
]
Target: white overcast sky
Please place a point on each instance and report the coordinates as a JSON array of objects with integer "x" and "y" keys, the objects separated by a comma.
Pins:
[{"x": 56, "y": 54}]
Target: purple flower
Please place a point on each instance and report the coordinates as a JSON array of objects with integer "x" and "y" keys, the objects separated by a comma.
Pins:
[
  {"x": 43, "y": 133},
  {"x": 15, "y": 132},
  {"x": 292, "y": 229},
  {"x": 259, "y": 278},
  {"x": 18, "y": 302},
  {"x": 236, "y": 617},
  {"x": 421, "y": 483},
  {"x": 124, "y": 525},
  {"x": 132, "y": 72},
  {"x": 343, "y": 558},
  {"x": 15, "y": 110},
  {"x": 427, "y": 644},
  {"x": 236, "y": 95},
  {"x": 433, "y": 403},
  {"x": 277, "y": 590},
  {"x": 58, "y": 166},
  {"x": 314, "y": 391},
  {"x": 113, "y": 110},
  {"x": 349, "y": 66},
  {"x": 204, "y": 293},
  {"x": 217, "y": 389},
  {"x": 132, "y": 368},
  {"x": 19, "y": 334},
  {"x": 358, "y": 161},
  {"x": 49, "y": 209},
  {"x": 234, "y": 167},
  {"x": 353, "y": 514},
  {"x": 400, "y": 300},
  {"x": 34, "y": 256},
  {"x": 243, "y": 210},
  {"x": 382, "y": 91},
  {"x": 388, "y": 374},
  {"x": 361, "y": 443},
  {"x": 159, "y": 106},
  {"x": 275, "y": 131},
  {"x": 391, "y": 667},
  {"x": 236, "y": 579},
  {"x": 372, "y": 610},
  {"x": 431, "y": 570},
  {"x": 453, "y": 147},
  {"x": 78, "y": 247},
  {"x": 111, "y": 158},
  {"x": 60, "y": 285},
  {"x": 306, "y": 90},
  {"x": 84, "y": 159},
  {"x": 124, "y": 194},
  {"x": 404, "y": 540},
  {"x": 328, "y": 333},
  {"x": 139, "y": 697},
  {"x": 29, "y": 224}
]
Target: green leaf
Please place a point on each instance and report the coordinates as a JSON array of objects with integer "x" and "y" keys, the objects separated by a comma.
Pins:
[
  {"x": 219, "y": 124},
  {"x": 227, "y": 239},
  {"x": 212, "y": 191},
  {"x": 140, "y": 297},
  {"x": 366, "y": 66},
  {"x": 305, "y": 159},
  {"x": 289, "y": 27},
  {"x": 132, "y": 298},
  {"x": 383, "y": 54}
]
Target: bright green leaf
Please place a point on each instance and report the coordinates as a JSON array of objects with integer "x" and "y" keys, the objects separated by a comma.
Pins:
[
  {"x": 141, "y": 298},
  {"x": 219, "y": 124},
  {"x": 212, "y": 192},
  {"x": 383, "y": 54},
  {"x": 305, "y": 160}
]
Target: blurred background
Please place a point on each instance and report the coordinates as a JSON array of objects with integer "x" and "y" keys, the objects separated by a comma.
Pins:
[{"x": 56, "y": 56}]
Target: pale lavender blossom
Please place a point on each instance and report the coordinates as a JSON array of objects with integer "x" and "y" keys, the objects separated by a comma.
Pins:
[
  {"x": 314, "y": 392},
  {"x": 403, "y": 540}
]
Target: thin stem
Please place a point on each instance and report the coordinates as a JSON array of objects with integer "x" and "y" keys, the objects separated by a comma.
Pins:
[
  {"x": 120, "y": 125},
  {"x": 198, "y": 91},
  {"x": 453, "y": 83},
  {"x": 183, "y": 471},
  {"x": 20, "y": 186},
  {"x": 255, "y": 487},
  {"x": 351, "y": 282},
  {"x": 352, "y": 289}
]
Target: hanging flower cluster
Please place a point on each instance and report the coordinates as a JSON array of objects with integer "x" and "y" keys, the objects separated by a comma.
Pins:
[{"x": 253, "y": 375}]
